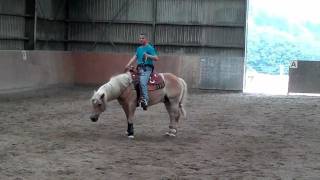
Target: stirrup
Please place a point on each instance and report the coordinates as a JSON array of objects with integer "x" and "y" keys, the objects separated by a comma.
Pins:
[{"x": 144, "y": 104}]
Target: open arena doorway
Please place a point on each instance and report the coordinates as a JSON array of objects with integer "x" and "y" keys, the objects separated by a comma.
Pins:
[{"x": 276, "y": 37}]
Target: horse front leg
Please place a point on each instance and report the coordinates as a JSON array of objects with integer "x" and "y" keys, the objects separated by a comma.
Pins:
[{"x": 129, "y": 110}]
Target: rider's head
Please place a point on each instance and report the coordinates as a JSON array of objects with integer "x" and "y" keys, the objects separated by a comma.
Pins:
[{"x": 143, "y": 39}]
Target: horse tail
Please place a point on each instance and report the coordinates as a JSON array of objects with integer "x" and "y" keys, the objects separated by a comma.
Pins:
[{"x": 183, "y": 97}]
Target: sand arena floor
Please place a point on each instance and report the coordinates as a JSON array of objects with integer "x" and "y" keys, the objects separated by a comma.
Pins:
[{"x": 226, "y": 136}]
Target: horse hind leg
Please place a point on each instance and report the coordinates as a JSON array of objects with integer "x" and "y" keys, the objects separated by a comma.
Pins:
[{"x": 174, "y": 114}]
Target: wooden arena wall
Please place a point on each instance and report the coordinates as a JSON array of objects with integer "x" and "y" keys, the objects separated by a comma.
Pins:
[{"x": 32, "y": 70}]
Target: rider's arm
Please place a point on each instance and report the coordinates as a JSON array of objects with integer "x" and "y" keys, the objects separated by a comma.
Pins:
[
  {"x": 151, "y": 53},
  {"x": 131, "y": 60},
  {"x": 153, "y": 57}
]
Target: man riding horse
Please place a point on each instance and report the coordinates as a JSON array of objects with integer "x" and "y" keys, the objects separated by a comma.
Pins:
[
  {"x": 144, "y": 57},
  {"x": 162, "y": 87}
]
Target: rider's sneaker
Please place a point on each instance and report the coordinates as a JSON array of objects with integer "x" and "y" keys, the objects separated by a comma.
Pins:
[{"x": 144, "y": 104}]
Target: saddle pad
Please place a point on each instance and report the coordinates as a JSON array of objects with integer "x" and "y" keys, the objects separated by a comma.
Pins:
[{"x": 155, "y": 81}]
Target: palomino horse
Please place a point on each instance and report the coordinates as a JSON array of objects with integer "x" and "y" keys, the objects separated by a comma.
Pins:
[{"x": 121, "y": 87}]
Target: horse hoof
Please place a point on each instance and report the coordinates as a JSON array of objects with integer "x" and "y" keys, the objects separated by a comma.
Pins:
[
  {"x": 170, "y": 134},
  {"x": 131, "y": 137}
]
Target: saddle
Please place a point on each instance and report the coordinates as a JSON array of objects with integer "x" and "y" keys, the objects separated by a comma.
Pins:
[{"x": 155, "y": 81}]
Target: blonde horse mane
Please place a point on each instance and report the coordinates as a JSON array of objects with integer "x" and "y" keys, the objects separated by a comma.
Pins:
[{"x": 115, "y": 86}]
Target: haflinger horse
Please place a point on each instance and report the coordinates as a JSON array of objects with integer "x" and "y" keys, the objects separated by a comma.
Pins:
[{"x": 173, "y": 94}]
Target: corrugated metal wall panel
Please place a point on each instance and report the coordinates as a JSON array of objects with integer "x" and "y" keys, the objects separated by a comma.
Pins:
[
  {"x": 12, "y": 26},
  {"x": 128, "y": 32},
  {"x": 52, "y": 9},
  {"x": 47, "y": 29},
  {"x": 50, "y": 30},
  {"x": 12, "y": 6},
  {"x": 168, "y": 11},
  {"x": 201, "y": 11},
  {"x": 94, "y": 9},
  {"x": 221, "y": 73},
  {"x": 88, "y": 9},
  {"x": 228, "y": 36},
  {"x": 178, "y": 34},
  {"x": 162, "y": 50},
  {"x": 101, "y": 47},
  {"x": 140, "y": 10},
  {"x": 174, "y": 10},
  {"x": 134, "y": 10},
  {"x": 200, "y": 35},
  {"x": 227, "y": 11},
  {"x": 104, "y": 32},
  {"x": 50, "y": 45},
  {"x": 304, "y": 77},
  {"x": 201, "y": 51},
  {"x": 11, "y": 45},
  {"x": 116, "y": 9}
]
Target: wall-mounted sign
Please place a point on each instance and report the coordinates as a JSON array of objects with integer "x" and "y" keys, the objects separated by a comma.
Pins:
[{"x": 294, "y": 64}]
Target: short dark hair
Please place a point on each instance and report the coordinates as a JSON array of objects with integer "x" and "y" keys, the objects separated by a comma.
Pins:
[{"x": 143, "y": 34}]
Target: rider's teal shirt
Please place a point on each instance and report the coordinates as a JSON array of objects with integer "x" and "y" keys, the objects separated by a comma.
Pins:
[{"x": 148, "y": 49}]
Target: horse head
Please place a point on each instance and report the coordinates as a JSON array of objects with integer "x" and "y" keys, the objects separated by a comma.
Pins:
[
  {"x": 98, "y": 105},
  {"x": 107, "y": 92}
]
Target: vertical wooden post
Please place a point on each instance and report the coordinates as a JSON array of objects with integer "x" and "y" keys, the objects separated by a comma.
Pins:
[
  {"x": 154, "y": 21},
  {"x": 66, "y": 35},
  {"x": 35, "y": 20},
  {"x": 30, "y": 24}
]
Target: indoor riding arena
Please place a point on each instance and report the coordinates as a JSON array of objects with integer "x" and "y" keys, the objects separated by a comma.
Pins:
[{"x": 56, "y": 53}]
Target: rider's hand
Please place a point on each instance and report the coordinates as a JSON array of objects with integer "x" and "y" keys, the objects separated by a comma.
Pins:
[
  {"x": 128, "y": 66},
  {"x": 146, "y": 55}
]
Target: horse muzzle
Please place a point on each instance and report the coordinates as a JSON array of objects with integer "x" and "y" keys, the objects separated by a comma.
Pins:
[{"x": 94, "y": 117}]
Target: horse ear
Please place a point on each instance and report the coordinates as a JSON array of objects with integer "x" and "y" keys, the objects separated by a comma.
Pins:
[{"x": 102, "y": 96}]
